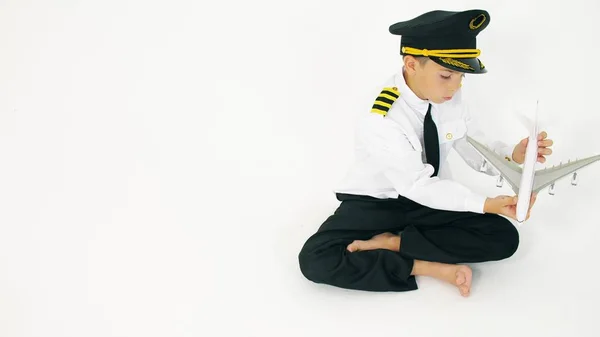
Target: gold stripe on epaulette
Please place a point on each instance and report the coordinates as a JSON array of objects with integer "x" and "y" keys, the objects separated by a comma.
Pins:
[{"x": 384, "y": 101}]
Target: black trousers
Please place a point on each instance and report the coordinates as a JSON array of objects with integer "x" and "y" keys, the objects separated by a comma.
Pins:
[{"x": 426, "y": 234}]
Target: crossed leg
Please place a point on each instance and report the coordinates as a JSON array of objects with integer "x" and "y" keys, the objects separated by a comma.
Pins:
[
  {"x": 357, "y": 247},
  {"x": 458, "y": 275}
]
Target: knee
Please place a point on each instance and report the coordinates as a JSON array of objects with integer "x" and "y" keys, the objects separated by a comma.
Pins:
[
  {"x": 512, "y": 239},
  {"x": 308, "y": 262},
  {"x": 508, "y": 241},
  {"x": 316, "y": 262}
]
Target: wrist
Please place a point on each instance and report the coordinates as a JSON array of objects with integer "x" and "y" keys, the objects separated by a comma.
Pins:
[
  {"x": 487, "y": 205},
  {"x": 475, "y": 203}
]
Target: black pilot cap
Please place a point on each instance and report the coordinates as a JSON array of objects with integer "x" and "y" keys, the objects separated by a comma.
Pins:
[{"x": 448, "y": 38}]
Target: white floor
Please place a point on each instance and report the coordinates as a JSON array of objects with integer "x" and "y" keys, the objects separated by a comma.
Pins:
[
  {"x": 163, "y": 163},
  {"x": 173, "y": 266}
]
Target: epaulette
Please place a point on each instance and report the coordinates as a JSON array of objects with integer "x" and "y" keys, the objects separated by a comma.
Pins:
[{"x": 384, "y": 101}]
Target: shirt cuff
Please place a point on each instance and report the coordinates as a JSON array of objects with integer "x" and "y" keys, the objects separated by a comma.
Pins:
[{"x": 475, "y": 203}]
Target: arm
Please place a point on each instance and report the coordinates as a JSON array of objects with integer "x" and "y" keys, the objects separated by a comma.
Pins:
[
  {"x": 387, "y": 145},
  {"x": 470, "y": 155}
]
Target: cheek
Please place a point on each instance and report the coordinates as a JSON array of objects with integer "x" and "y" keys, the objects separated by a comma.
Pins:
[
  {"x": 431, "y": 86},
  {"x": 438, "y": 86},
  {"x": 449, "y": 85},
  {"x": 435, "y": 87}
]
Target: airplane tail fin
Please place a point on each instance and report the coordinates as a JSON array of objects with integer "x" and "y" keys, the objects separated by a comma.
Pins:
[
  {"x": 527, "y": 122},
  {"x": 531, "y": 124}
]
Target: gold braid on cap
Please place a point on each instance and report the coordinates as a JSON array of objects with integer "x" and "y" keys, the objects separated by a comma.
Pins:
[
  {"x": 456, "y": 63},
  {"x": 453, "y": 53}
]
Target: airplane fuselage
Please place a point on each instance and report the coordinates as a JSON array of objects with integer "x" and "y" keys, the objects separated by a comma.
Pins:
[{"x": 528, "y": 176}]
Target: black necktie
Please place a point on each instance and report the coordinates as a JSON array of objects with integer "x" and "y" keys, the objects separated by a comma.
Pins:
[{"x": 432, "y": 145}]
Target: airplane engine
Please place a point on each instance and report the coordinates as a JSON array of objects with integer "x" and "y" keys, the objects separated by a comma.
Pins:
[
  {"x": 551, "y": 189},
  {"x": 500, "y": 181},
  {"x": 574, "y": 179},
  {"x": 483, "y": 167}
]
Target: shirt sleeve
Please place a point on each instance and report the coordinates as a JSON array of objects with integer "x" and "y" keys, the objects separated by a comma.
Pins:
[
  {"x": 387, "y": 146},
  {"x": 470, "y": 155}
]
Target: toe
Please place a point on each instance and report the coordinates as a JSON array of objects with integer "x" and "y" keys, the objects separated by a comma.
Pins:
[
  {"x": 464, "y": 289},
  {"x": 356, "y": 245},
  {"x": 352, "y": 247},
  {"x": 468, "y": 279}
]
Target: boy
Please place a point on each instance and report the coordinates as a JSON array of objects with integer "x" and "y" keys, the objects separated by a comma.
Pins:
[{"x": 400, "y": 213}]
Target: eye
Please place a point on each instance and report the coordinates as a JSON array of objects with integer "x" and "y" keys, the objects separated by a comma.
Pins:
[{"x": 446, "y": 77}]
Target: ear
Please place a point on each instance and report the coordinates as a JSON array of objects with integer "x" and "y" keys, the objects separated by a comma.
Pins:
[{"x": 410, "y": 64}]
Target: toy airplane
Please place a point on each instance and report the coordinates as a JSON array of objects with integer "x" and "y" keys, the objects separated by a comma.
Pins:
[{"x": 526, "y": 180}]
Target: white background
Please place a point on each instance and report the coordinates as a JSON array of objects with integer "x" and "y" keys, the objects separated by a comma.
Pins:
[{"x": 164, "y": 162}]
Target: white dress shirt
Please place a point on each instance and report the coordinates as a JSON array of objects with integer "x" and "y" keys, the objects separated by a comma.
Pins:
[{"x": 390, "y": 157}]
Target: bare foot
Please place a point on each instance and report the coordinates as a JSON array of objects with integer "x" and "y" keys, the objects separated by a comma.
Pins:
[
  {"x": 381, "y": 241},
  {"x": 461, "y": 276},
  {"x": 458, "y": 275}
]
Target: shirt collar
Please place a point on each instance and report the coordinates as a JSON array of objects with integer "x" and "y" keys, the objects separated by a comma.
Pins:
[{"x": 409, "y": 96}]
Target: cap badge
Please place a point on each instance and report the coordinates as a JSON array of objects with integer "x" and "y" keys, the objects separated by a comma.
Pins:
[{"x": 474, "y": 26}]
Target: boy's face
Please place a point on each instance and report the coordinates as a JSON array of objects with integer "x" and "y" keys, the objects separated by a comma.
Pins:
[{"x": 434, "y": 82}]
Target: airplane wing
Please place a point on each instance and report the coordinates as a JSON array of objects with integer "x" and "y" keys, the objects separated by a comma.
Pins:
[
  {"x": 547, "y": 176},
  {"x": 509, "y": 170}
]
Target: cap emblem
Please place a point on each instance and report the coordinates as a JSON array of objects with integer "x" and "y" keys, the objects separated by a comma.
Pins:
[{"x": 474, "y": 26}]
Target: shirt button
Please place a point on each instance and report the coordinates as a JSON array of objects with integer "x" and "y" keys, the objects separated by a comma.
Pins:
[{"x": 449, "y": 135}]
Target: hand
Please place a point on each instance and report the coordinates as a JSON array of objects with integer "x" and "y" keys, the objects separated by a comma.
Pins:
[
  {"x": 544, "y": 144},
  {"x": 507, "y": 205}
]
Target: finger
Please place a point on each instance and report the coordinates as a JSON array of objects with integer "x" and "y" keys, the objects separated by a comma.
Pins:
[
  {"x": 533, "y": 199},
  {"x": 545, "y": 143},
  {"x": 532, "y": 202},
  {"x": 508, "y": 201},
  {"x": 541, "y": 159},
  {"x": 543, "y": 150},
  {"x": 531, "y": 206},
  {"x": 542, "y": 135},
  {"x": 510, "y": 212}
]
